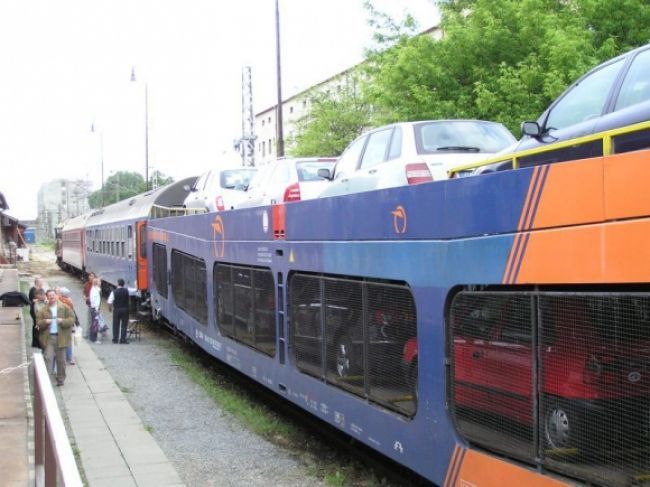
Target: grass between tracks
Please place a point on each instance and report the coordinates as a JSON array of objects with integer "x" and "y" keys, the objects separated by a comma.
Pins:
[
  {"x": 255, "y": 417},
  {"x": 333, "y": 467}
]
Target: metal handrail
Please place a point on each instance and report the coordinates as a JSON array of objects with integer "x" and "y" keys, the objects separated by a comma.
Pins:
[
  {"x": 605, "y": 137},
  {"x": 53, "y": 457}
]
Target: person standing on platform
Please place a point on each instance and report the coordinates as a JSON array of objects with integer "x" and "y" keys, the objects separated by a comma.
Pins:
[
  {"x": 63, "y": 294},
  {"x": 38, "y": 285},
  {"x": 95, "y": 302},
  {"x": 86, "y": 294},
  {"x": 55, "y": 321},
  {"x": 118, "y": 303}
]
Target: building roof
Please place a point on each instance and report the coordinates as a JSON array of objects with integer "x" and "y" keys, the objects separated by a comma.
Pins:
[{"x": 3, "y": 202}]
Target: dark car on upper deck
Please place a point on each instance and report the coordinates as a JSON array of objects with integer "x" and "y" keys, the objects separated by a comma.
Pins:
[{"x": 613, "y": 95}]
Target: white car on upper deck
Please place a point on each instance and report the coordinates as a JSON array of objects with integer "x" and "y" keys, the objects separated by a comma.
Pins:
[
  {"x": 220, "y": 188},
  {"x": 413, "y": 152},
  {"x": 287, "y": 179}
]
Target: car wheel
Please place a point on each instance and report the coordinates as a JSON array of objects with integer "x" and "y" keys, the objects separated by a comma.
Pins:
[
  {"x": 344, "y": 357},
  {"x": 565, "y": 426},
  {"x": 558, "y": 425}
]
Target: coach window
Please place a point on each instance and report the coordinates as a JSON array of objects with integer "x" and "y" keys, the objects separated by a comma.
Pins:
[
  {"x": 159, "y": 259},
  {"x": 129, "y": 236}
]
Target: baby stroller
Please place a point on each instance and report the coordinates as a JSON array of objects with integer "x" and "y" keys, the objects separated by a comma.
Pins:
[{"x": 97, "y": 327}]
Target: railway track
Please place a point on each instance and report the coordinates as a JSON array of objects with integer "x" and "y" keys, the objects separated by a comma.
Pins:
[{"x": 360, "y": 462}]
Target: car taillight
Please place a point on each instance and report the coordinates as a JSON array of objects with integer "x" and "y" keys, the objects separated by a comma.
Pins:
[
  {"x": 219, "y": 203},
  {"x": 418, "y": 173},
  {"x": 410, "y": 350},
  {"x": 292, "y": 193}
]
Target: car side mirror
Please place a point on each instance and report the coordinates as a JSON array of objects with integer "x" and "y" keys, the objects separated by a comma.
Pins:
[
  {"x": 532, "y": 129},
  {"x": 324, "y": 173}
]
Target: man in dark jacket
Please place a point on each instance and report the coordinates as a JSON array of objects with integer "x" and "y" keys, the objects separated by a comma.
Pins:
[
  {"x": 38, "y": 284},
  {"x": 118, "y": 303}
]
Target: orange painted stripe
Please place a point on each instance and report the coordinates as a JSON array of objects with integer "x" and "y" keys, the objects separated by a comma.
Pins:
[
  {"x": 517, "y": 267},
  {"x": 513, "y": 263},
  {"x": 512, "y": 257},
  {"x": 453, "y": 466},
  {"x": 534, "y": 197},
  {"x": 538, "y": 195},
  {"x": 459, "y": 463},
  {"x": 531, "y": 185},
  {"x": 481, "y": 469}
]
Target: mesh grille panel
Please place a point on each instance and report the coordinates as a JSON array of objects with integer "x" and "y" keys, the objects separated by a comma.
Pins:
[
  {"x": 264, "y": 309},
  {"x": 353, "y": 334},
  {"x": 306, "y": 323},
  {"x": 242, "y": 304},
  {"x": 391, "y": 323},
  {"x": 493, "y": 370},
  {"x": 344, "y": 334},
  {"x": 595, "y": 417},
  {"x": 559, "y": 377},
  {"x": 224, "y": 299},
  {"x": 245, "y": 305}
]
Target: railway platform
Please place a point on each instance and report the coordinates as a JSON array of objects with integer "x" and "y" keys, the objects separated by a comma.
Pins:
[{"x": 113, "y": 447}]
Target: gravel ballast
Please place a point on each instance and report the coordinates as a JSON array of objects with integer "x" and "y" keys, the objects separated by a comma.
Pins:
[{"x": 207, "y": 446}]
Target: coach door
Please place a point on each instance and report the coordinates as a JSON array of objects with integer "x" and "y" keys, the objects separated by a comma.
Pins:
[{"x": 141, "y": 253}]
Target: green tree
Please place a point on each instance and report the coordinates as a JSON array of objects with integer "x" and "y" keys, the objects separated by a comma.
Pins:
[
  {"x": 123, "y": 185},
  {"x": 160, "y": 179},
  {"x": 333, "y": 120},
  {"x": 501, "y": 60}
]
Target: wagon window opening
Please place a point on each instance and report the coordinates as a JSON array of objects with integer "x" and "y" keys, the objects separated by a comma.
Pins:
[
  {"x": 188, "y": 285},
  {"x": 357, "y": 334},
  {"x": 244, "y": 300},
  {"x": 561, "y": 379}
]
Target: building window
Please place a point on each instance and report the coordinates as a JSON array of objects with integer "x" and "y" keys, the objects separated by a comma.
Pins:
[
  {"x": 263, "y": 149},
  {"x": 270, "y": 147},
  {"x": 291, "y": 109},
  {"x": 269, "y": 119},
  {"x": 262, "y": 123}
]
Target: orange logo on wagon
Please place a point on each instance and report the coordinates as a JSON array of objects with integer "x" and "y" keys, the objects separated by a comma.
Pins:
[
  {"x": 399, "y": 219},
  {"x": 218, "y": 234}
]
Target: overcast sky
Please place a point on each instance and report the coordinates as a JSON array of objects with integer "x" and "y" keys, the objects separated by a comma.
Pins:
[{"x": 66, "y": 66}]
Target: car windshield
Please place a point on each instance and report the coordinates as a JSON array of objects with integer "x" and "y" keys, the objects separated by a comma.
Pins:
[
  {"x": 308, "y": 170},
  {"x": 236, "y": 178},
  {"x": 461, "y": 136}
]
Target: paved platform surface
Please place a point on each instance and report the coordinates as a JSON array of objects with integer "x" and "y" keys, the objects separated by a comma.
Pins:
[
  {"x": 114, "y": 447},
  {"x": 14, "y": 430}
]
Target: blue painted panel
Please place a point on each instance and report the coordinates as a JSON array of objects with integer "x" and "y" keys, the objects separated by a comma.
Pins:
[{"x": 486, "y": 205}]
